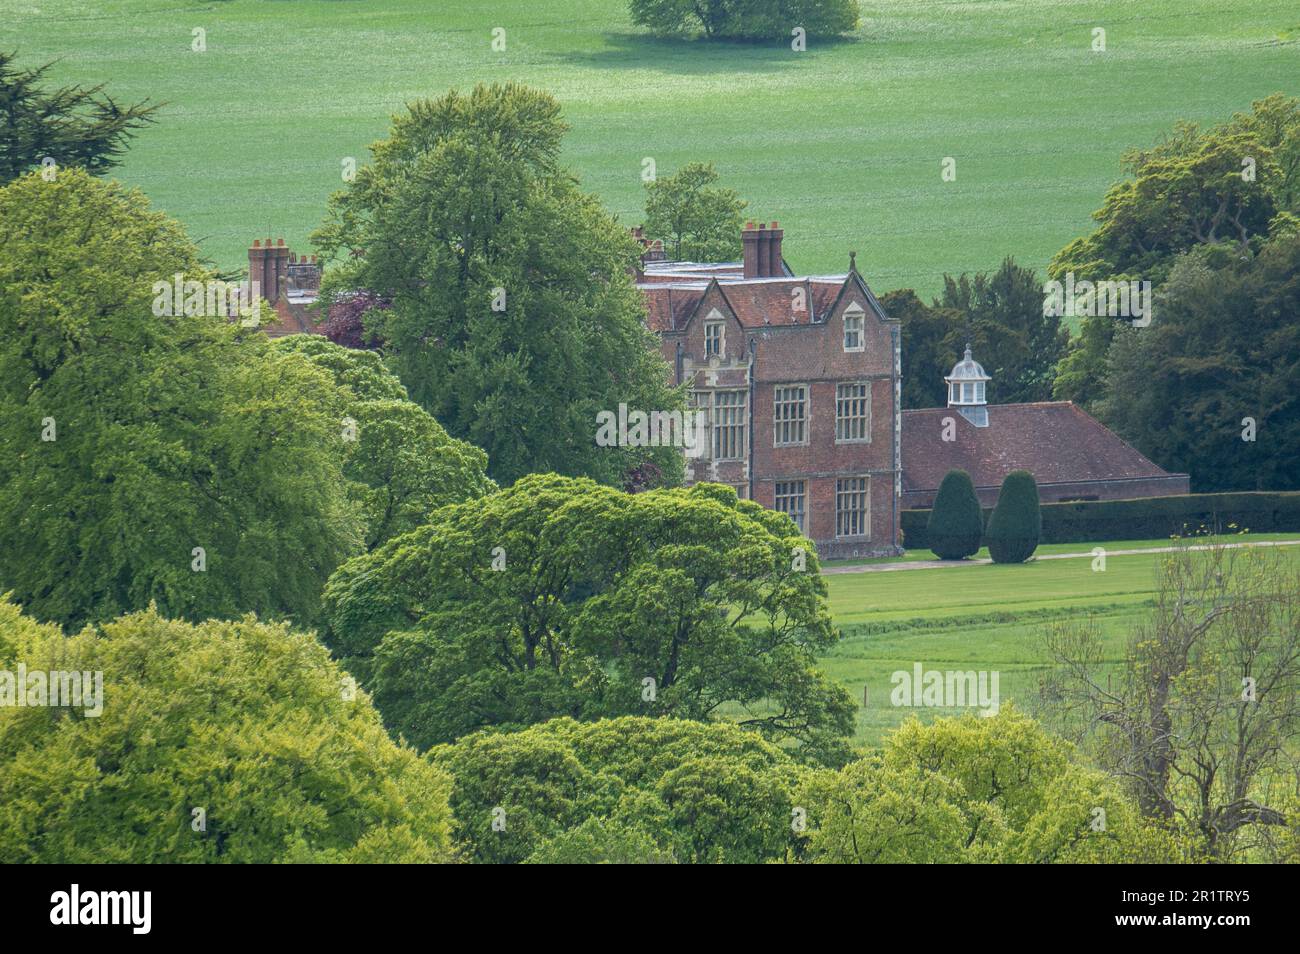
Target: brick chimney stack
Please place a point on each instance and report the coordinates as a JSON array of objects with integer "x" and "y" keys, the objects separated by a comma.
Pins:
[
  {"x": 277, "y": 269},
  {"x": 749, "y": 240},
  {"x": 762, "y": 250},
  {"x": 775, "y": 266},
  {"x": 260, "y": 267}
]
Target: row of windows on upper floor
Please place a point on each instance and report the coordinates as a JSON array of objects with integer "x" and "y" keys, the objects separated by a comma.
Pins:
[{"x": 726, "y": 417}]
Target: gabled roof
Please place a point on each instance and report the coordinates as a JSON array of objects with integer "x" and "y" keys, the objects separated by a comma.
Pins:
[
  {"x": 1055, "y": 441},
  {"x": 756, "y": 302}
]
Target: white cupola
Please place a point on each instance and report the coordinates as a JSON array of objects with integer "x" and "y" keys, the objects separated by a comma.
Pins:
[{"x": 966, "y": 390}]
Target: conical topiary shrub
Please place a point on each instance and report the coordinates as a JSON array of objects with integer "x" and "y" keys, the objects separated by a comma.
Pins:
[
  {"x": 956, "y": 521},
  {"x": 1016, "y": 522}
]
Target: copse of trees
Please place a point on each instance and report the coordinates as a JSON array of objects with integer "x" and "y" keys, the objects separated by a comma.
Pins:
[
  {"x": 745, "y": 19},
  {"x": 1015, "y": 524},
  {"x": 168, "y": 458},
  {"x": 236, "y": 742},
  {"x": 72, "y": 125},
  {"x": 1209, "y": 388},
  {"x": 559, "y": 597},
  {"x": 511, "y": 312},
  {"x": 956, "y": 523},
  {"x": 1237, "y": 184}
]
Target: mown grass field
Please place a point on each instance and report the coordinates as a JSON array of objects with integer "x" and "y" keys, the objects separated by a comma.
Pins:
[
  {"x": 977, "y": 617},
  {"x": 841, "y": 143}
]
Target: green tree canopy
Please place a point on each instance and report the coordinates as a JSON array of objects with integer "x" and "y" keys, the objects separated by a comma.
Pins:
[
  {"x": 1209, "y": 388},
  {"x": 561, "y": 597},
  {"x": 514, "y": 319},
  {"x": 250, "y": 723},
  {"x": 143, "y": 457},
  {"x": 402, "y": 463},
  {"x": 931, "y": 336},
  {"x": 1000, "y": 314},
  {"x": 1195, "y": 187},
  {"x": 975, "y": 789},
  {"x": 698, "y": 219},
  {"x": 1236, "y": 183},
  {"x": 656, "y": 788},
  {"x": 72, "y": 125},
  {"x": 956, "y": 522}
]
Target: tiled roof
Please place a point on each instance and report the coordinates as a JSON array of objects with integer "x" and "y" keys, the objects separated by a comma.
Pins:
[
  {"x": 757, "y": 302},
  {"x": 668, "y": 306},
  {"x": 1056, "y": 441}
]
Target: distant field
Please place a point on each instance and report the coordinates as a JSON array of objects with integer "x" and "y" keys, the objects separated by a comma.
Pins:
[
  {"x": 842, "y": 143},
  {"x": 977, "y": 617}
]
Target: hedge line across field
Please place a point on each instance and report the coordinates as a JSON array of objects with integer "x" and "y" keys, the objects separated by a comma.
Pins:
[{"x": 1148, "y": 518}]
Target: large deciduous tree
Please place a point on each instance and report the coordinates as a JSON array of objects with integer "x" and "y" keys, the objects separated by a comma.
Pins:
[
  {"x": 1200, "y": 722},
  {"x": 235, "y": 742},
  {"x": 402, "y": 464},
  {"x": 150, "y": 457},
  {"x": 975, "y": 789},
  {"x": 698, "y": 219},
  {"x": 512, "y": 316},
  {"x": 559, "y": 597},
  {"x": 72, "y": 125},
  {"x": 1236, "y": 183},
  {"x": 648, "y": 789}
]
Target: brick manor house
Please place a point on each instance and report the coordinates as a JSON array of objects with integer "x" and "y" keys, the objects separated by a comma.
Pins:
[
  {"x": 798, "y": 378},
  {"x": 799, "y": 382}
]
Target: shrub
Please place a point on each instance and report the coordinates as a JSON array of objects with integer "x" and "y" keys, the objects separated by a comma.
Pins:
[
  {"x": 956, "y": 523},
  {"x": 1015, "y": 526}
]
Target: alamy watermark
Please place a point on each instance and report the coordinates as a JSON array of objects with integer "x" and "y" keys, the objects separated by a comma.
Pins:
[
  {"x": 38, "y": 688},
  {"x": 938, "y": 689},
  {"x": 1087, "y": 299},
  {"x": 212, "y": 299},
  {"x": 684, "y": 429}
]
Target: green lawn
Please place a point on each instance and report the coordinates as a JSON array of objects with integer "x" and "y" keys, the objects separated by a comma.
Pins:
[
  {"x": 976, "y": 617},
  {"x": 842, "y": 143}
]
